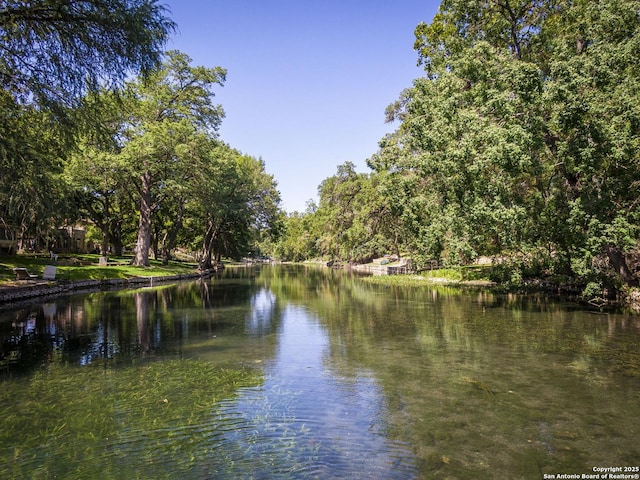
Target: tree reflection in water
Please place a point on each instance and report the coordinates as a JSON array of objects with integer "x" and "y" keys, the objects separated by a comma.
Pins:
[{"x": 449, "y": 383}]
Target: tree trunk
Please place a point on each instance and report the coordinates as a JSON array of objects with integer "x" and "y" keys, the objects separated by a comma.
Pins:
[
  {"x": 104, "y": 245},
  {"x": 171, "y": 238},
  {"x": 104, "y": 227},
  {"x": 619, "y": 264},
  {"x": 154, "y": 243},
  {"x": 205, "y": 262},
  {"x": 115, "y": 230},
  {"x": 141, "y": 257}
]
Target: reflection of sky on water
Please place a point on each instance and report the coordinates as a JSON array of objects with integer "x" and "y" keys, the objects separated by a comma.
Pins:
[
  {"x": 305, "y": 421},
  {"x": 262, "y": 305}
]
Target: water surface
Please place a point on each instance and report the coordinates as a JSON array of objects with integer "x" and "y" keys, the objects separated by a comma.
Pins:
[{"x": 281, "y": 372}]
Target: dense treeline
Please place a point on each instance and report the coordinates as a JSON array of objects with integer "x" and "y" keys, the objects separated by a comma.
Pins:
[
  {"x": 521, "y": 141},
  {"x": 100, "y": 126}
]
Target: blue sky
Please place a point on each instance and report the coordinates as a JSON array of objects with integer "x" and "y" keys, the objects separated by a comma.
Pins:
[{"x": 308, "y": 81}]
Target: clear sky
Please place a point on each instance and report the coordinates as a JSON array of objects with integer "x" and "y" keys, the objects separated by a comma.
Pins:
[{"x": 308, "y": 80}]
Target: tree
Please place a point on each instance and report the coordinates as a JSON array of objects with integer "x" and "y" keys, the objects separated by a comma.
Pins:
[
  {"x": 33, "y": 196},
  {"x": 53, "y": 50},
  {"x": 157, "y": 141},
  {"x": 94, "y": 172},
  {"x": 513, "y": 139},
  {"x": 51, "y": 53},
  {"x": 593, "y": 133},
  {"x": 352, "y": 217},
  {"x": 465, "y": 156},
  {"x": 232, "y": 201},
  {"x": 336, "y": 209},
  {"x": 170, "y": 114},
  {"x": 296, "y": 242},
  {"x": 512, "y": 25}
]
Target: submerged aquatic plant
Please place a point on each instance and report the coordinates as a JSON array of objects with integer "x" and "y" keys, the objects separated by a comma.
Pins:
[{"x": 70, "y": 422}]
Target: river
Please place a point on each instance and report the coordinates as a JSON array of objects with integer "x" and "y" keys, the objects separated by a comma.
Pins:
[{"x": 304, "y": 372}]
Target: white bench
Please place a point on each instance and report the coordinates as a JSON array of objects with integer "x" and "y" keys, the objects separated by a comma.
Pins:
[{"x": 49, "y": 272}]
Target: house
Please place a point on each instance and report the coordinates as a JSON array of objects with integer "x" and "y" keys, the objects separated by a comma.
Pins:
[
  {"x": 8, "y": 240},
  {"x": 68, "y": 239}
]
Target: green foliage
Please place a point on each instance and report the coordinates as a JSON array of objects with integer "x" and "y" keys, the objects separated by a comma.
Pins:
[
  {"x": 453, "y": 274},
  {"x": 296, "y": 243},
  {"x": 522, "y": 137},
  {"x": 593, "y": 292},
  {"x": 33, "y": 195},
  {"x": 162, "y": 149},
  {"x": 83, "y": 139},
  {"x": 233, "y": 201},
  {"x": 53, "y": 50},
  {"x": 352, "y": 223},
  {"x": 462, "y": 155},
  {"x": 520, "y": 142},
  {"x": 468, "y": 276},
  {"x": 170, "y": 120}
]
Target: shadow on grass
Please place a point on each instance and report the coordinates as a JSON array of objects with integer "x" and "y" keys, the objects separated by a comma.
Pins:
[{"x": 85, "y": 267}]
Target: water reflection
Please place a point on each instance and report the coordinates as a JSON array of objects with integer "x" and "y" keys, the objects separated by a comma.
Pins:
[
  {"x": 125, "y": 326},
  {"x": 308, "y": 421},
  {"x": 261, "y": 313},
  {"x": 356, "y": 380}
]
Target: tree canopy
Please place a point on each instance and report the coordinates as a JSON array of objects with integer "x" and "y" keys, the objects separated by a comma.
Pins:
[
  {"x": 100, "y": 126},
  {"x": 52, "y": 51},
  {"x": 53, "y": 54},
  {"x": 520, "y": 141},
  {"x": 161, "y": 149}
]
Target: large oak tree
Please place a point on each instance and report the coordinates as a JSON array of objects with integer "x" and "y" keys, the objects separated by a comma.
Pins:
[{"x": 167, "y": 117}]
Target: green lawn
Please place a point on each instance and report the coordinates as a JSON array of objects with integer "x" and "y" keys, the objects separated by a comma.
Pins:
[
  {"x": 470, "y": 275},
  {"x": 86, "y": 267}
]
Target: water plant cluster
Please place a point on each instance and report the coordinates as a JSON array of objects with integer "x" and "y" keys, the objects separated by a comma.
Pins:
[{"x": 99, "y": 422}]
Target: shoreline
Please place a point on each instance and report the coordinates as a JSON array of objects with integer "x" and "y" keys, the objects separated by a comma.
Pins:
[
  {"x": 25, "y": 290},
  {"x": 30, "y": 289}
]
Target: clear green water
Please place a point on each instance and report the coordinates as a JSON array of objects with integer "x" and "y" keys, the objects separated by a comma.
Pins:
[{"x": 309, "y": 373}]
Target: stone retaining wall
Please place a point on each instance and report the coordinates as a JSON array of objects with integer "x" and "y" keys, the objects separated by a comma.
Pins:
[{"x": 35, "y": 289}]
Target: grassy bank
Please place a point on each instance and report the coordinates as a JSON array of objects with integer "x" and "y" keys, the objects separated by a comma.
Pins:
[
  {"x": 470, "y": 276},
  {"x": 86, "y": 267}
]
